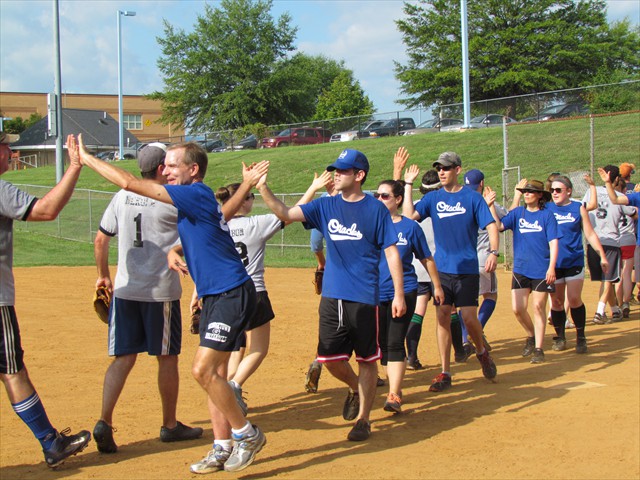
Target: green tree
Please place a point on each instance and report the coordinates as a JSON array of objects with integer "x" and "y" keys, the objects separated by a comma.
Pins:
[
  {"x": 515, "y": 47},
  {"x": 344, "y": 98},
  {"x": 19, "y": 125},
  {"x": 220, "y": 75}
]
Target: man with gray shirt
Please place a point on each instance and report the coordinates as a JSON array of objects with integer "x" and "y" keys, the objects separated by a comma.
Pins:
[
  {"x": 145, "y": 312},
  {"x": 606, "y": 220},
  {"x": 18, "y": 205}
]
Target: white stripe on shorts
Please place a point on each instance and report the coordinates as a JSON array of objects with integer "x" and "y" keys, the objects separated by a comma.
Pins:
[{"x": 9, "y": 340}]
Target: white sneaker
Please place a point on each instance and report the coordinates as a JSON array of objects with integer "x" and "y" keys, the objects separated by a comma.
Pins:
[
  {"x": 213, "y": 462},
  {"x": 244, "y": 451}
]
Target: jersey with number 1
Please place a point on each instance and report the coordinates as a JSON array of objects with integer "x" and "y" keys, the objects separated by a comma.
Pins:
[{"x": 146, "y": 232}]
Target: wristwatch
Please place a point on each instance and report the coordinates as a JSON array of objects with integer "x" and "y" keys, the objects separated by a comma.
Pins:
[{"x": 495, "y": 252}]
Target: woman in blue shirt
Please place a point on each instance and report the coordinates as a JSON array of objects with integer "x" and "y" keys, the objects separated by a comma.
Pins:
[{"x": 392, "y": 333}]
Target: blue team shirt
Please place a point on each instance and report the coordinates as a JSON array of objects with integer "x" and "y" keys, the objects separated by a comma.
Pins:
[
  {"x": 634, "y": 201},
  {"x": 532, "y": 232},
  {"x": 411, "y": 241},
  {"x": 355, "y": 233},
  {"x": 456, "y": 218},
  {"x": 212, "y": 258},
  {"x": 570, "y": 248}
]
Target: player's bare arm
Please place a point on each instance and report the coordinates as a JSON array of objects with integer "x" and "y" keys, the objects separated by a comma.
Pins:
[
  {"x": 398, "y": 305},
  {"x": 430, "y": 265},
  {"x": 284, "y": 213},
  {"x": 399, "y": 162},
  {"x": 494, "y": 244},
  {"x": 593, "y": 194},
  {"x": 48, "y": 207},
  {"x": 410, "y": 176},
  {"x": 251, "y": 175},
  {"x": 101, "y": 254},
  {"x": 122, "y": 178},
  {"x": 615, "y": 199},
  {"x": 553, "y": 258}
]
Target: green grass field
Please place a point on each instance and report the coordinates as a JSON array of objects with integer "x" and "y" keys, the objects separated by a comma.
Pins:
[{"x": 537, "y": 148}]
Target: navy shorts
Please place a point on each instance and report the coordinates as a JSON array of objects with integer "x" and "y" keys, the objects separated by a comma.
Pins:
[
  {"x": 152, "y": 327},
  {"x": 11, "y": 353},
  {"x": 460, "y": 290},
  {"x": 425, "y": 288},
  {"x": 534, "y": 284},
  {"x": 225, "y": 317},
  {"x": 347, "y": 327},
  {"x": 262, "y": 315}
]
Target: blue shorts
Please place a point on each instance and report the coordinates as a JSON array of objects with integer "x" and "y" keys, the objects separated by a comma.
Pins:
[
  {"x": 225, "y": 317},
  {"x": 152, "y": 327}
]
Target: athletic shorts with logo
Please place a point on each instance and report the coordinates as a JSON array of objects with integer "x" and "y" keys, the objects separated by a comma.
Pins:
[
  {"x": 263, "y": 314},
  {"x": 347, "y": 327},
  {"x": 519, "y": 281},
  {"x": 137, "y": 327},
  {"x": 225, "y": 317}
]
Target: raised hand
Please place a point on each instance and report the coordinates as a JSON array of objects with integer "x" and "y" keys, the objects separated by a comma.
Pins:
[
  {"x": 489, "y": 195},
  {"x": 73, "y": 151},
  {"x": 411, "y": 173},
  {"x": 254, "y": 172},
  {"x": 604, "y": 175},
  {"x": 399, "y": 162}
]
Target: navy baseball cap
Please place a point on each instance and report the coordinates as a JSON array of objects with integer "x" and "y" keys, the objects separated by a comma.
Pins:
[
  {"x": 473, "y": 178},
  {"x": 350, "y": 159}
]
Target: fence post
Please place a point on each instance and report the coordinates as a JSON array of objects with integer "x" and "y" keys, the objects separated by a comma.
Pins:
[{"x": 592, "y": 141}]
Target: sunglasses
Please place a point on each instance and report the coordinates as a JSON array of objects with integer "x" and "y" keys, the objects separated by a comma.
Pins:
[
  {"x": 557, "y": 190},
  {"x": 443, "y": 168},
  {"x": 251, "y": 196},
  {"x": 385, "y": 196},
  {"x": 530, "y": 191}
]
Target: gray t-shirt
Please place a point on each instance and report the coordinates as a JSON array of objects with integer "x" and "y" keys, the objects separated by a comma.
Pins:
[
  {"x": 606, "y": 218},
  {"x": 250, "y": 234},
  {"x": 421, "y": 272},
  {"x": 147, "y": 230},
  {"x": 14, "y": 205},
  {"x": 483, "y": 239}
]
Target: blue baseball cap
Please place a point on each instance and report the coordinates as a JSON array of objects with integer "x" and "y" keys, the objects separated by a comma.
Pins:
[
  {"x": 473, "y": 178},
  {"x": 350, "y": 159}
]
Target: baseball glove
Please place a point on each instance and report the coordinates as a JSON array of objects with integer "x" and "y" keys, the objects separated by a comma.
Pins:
[
  {"x": 195, "y": 321},
  {"x": 101, "y": 302},
  {"x": 317, "y": 281}
]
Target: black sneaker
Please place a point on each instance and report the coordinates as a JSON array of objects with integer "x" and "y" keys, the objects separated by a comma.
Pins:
[
  {"x": 103, "y": 435},
  {"x": 468, "y": 350},
  {"x": 538, "y": 356},
  {"x": 313, "y": 377},
  {"x": 559, "y": 344},
  {"x": 441, "y": 383},
  {"x": 380, "y": 382},
  {"x": 360, "y": 431},
  {"x": 351, "y": 406},
  {"x": 487, "y": 345},
  {"x": 529, "y": 346},
  {"x": 179, "y": 433},
  {"x": 581, "y": 345},
  {"x": 489, "y": 369},
  {"x": 64, "y": 446},
  {"x": 414, "y": 364}
]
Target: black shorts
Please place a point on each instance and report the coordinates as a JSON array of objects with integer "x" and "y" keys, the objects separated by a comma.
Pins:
[
  {"x": 425, "y": 288},
  {"x": 262, "y": 315},
  {"x": 137, "y": 327},
  {"x": 534, "y": 284},
  {"x": 11, "y": 353},
  {"x": 225, "y": 317},
  {"x": 460, "y": 290},
  {"x": 595, "y": 269},
  {"x": 346, "y": 327},
  {"x": 393, "y": 331}
]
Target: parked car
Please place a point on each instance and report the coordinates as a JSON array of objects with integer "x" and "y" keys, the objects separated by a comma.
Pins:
[
  {"x": 355, "y": 132},
  {"x": 433, "y": 125},
  {"x": 561, "y": 110},
  {"x": 489, "y": 120},
  {"x": 107, "y": 156},
  {"x": 297, "y": 136},
  {"x": 213, "y": 145},
  {"x": 390, "y": 127},
  {"x": 248, "y": 142}
]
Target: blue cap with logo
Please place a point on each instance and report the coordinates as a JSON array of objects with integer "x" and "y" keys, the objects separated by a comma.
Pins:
[
  {"x": 350, "y": 159},
  {"x": 473, "y": 178}
]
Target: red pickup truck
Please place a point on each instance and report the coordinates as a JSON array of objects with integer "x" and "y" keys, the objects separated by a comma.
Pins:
[{"x": 297, "y": 136}]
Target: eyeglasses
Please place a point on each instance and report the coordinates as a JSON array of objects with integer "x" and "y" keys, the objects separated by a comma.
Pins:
[
  {"x": 385, "y": 196},
  {"x": 251, "y": 196},
  {"x": 557, "y": 190},
  {"x": 445, "y": 168}
]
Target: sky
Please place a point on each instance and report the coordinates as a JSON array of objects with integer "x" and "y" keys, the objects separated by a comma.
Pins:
[{"x": 362, "y": 33}]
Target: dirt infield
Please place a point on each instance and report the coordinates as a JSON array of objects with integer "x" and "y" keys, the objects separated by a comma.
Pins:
[{"x": 575, "y": 416}]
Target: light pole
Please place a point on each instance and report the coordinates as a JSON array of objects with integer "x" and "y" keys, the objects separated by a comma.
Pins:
[{"x": 126, "y": 13}]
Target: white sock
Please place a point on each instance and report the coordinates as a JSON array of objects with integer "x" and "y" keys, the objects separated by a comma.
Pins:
[
  {"x": 600, "y": 308},
  {"x": 247, "y": 430},
  {"x": 226, "y": 444}
]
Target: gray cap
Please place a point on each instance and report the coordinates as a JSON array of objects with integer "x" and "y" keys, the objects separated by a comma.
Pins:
[
  {"x": 448, "y": 158},
  {"x": 151, "y": 156}
]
